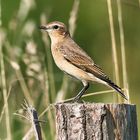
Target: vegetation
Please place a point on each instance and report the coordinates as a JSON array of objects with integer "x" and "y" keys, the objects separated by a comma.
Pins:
[{"x": 108, "y": 30}]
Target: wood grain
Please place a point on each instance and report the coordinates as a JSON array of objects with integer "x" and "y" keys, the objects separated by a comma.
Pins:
[{"x": 96, "y": 121}]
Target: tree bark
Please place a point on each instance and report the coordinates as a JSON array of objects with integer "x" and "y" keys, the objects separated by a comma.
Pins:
[{"x": 96, "y": 121}]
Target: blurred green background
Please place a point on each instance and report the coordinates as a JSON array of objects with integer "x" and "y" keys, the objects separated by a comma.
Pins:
[{"x": 30, "y": 72}]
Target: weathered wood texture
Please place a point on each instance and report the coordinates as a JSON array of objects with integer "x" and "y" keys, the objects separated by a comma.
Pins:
[{"x": 96, "y": 121}]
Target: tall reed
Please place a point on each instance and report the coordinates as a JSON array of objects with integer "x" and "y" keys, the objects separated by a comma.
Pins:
[
  {"x": 4, "y": 90},
  {"x": 113, "y": 42},
  {"x": 123, "y": 54}
]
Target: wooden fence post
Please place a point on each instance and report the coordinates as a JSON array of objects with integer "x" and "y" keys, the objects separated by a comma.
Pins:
[{"x": 96, "y": 121}]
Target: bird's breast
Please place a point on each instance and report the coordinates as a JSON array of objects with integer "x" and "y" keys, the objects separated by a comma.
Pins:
[
  {"x": 60, "y": 61},
  {"x": 57, "y": 56}
]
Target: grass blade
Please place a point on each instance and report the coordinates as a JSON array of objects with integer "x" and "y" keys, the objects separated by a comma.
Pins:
[
  {"x": 4, "y": 91},
  {"x": 125, "y": 79},
  {"x": 113, "y": 41}
]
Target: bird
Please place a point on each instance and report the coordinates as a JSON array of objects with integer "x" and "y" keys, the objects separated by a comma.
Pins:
[{"x": 74, "y": 61}]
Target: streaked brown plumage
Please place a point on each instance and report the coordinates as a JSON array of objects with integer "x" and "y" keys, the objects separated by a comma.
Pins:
[{"x": 73, "y": 60}]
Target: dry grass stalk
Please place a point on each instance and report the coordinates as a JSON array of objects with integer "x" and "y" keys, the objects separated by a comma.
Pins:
[
  {"x": 90, "y": 94},
  {"x": 49, "y": 77},
  {"x": 3, "y": 109},
  {"x": 29, "y": 134},
  {"x": 49, "y": 109},
  {"x": 19, "y": 74},
  {"x": 73, "y": 17},
  {"x": 63, "y": 90},
  {"x": 49, "y": 60},
  {"x": 125, "y": 79},
  {"x": 24, "y": 86},
  {"x": 113, "y": 41},
  {"x": 32, "y": 116},
  {"x": 4, "y": 88}
]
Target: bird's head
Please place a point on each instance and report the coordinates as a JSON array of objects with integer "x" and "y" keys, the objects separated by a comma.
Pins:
[{"x": 56, "y": 30}]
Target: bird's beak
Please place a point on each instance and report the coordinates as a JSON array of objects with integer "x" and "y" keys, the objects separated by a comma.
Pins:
[{"x": 42, "y": 27}]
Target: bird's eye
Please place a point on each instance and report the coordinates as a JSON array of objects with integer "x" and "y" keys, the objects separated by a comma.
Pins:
[{"x": 55, "y": 26}]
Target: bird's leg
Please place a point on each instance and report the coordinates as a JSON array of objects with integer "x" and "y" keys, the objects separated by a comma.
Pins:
[{"x": 80, "y": 94}]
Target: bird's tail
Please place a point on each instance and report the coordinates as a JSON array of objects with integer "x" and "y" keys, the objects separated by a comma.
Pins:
[{"x": 118, "y": 89}]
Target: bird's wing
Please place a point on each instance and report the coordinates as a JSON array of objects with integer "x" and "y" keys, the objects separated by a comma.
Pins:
[{"x": 80, "y": 59}]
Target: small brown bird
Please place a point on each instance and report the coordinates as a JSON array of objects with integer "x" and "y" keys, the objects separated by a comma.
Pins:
[{"x": 73, "y": 60}]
